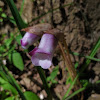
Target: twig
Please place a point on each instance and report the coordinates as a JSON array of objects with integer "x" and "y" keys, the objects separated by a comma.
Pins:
[{"x": 69, "y": 65}]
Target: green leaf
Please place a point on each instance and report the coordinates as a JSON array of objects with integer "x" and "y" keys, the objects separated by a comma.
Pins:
[
  {"x": 1, "y": 20},
  {"x": 3, "y": 94},
  {"x": 31, "y": 96},
  {"x": 2, "y": 49},
  {"x": 54, "y": 82},
  {"x": 9, "y": 53},
  {"x": 8, "y": 42},
  {"x": 76, "y": 64},
  {"x": 12, "y": 20},
  {"x": 7, "y": 86},
  {"x": 53, "y": 74},
  {"x": 3, "y": 15},
  {"x": 98, "y": 81},
  {"x": 10, "y": 98},
  {"x": 68, "y": 80},
  {"x": 1, "y": 10},
  {"x": 18, "y": 38},
  {"x": 84, "y": 83},
  {"x": 17, "y": 60}
]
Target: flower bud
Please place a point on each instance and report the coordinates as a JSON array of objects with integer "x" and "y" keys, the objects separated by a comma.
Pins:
[
  {"x": 33, "y": 33},
  {"x": 28, "y": 39}
]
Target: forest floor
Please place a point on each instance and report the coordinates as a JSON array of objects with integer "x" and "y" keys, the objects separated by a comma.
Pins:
[{"x": 80, "y": 23}]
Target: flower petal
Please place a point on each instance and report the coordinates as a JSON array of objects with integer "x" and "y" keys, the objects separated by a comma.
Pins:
[
  {"x": 48, "y": 43},
  {"x": 42, "y": 59},
  {"x": 42, "y": 56},
  {"x": 35, "y": 60},
  {"x": 24, "y": 44},
  {"x": 45, "y": 64},
  {"x": 33, "y": 51}
]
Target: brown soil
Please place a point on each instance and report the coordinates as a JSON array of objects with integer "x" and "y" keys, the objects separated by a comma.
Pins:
[{"x": 80, "y": 23}]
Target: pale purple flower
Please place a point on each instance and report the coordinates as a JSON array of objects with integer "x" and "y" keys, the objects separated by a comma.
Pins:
[
  {"x": 42, "y": 55},
  {"x": 28, "y": 39}
]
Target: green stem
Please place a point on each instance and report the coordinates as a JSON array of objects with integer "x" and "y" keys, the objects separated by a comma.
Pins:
[
  {"x": 20, "y": 23},
  {"x": 45, "y": 84},
  {"x": 13, "y": 82}
]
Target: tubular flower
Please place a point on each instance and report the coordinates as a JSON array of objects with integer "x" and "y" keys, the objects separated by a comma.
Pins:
[
  {"x": 42, "y": 55},
  {"x": 28, "y": 40}
]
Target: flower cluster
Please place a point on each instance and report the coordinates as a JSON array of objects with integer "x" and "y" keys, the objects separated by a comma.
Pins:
[{"x": 41, "y": 55}]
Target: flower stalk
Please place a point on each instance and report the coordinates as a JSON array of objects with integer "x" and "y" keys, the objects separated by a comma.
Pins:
[
  {"x": 70, "y": 67},
  {"x": 67, "y": 62},
  {"x": 45, "y": 84}
]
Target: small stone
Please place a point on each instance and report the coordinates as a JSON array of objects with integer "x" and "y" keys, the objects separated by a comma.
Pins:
[
  {"x": 41, "y": 96},
  {"x": 4, "y": 62},
  {"x": 1, "y": 3}
]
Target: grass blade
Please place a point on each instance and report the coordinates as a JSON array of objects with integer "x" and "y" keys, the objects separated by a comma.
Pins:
[
  {"x": 92, "y": 54},
  {"x": 75, "y": 93},
  {"x": 69, "y": 89},
  {"x": 13, "y": 82},
  {"x": 20, "y": 23},
  {"x": 51, "y": 10},
  {"x": 88, "y": 57},
  {"x": 82, "y": 89},
  {"x": 22, "y": 6}
]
